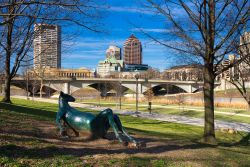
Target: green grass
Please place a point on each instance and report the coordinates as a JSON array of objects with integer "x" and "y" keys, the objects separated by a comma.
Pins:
[
  {"x": 104, "y": 102},
  {"x": 183, "y": 111},
  {"x": 182, "y": 147}
]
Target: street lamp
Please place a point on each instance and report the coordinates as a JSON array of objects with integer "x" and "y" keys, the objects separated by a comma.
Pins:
[
  {"x": 148, "y": 94},
  {"x": 99, "y": 94},
  {"x": 27, "y": 84},
  {"x": 120, "y": 94},
  {"x": 136, "y": 97}
]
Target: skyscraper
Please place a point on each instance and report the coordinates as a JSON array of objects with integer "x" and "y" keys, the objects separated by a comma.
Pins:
[
  {"x": 113, "y": 51},
  {"x": 132, "y": 51},
  {"x": 47, "y": 46}
]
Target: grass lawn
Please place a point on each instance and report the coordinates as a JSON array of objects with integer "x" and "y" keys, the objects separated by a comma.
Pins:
[
  {"x": 189, "y": 111},
  {"x": 29, "y": 138},
  {"x": 131, "y": 105}
]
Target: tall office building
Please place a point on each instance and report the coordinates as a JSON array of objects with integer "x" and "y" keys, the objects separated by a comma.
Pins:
[
  {"x": 113, "y": 51},
  {"x": 132, "y": 51},
  {"x": 47, "y": 46}
]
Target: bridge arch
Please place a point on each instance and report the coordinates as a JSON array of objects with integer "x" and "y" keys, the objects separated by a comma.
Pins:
[
  {"x": 34, "y": 88},
  {"x": 163, "y": 89},
  {"x": 166, "y": 88},
  {"x": 103, "y": 87}
]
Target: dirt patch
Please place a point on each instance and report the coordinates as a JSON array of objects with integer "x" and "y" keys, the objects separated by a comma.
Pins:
[{"x": 48, "y": 140}]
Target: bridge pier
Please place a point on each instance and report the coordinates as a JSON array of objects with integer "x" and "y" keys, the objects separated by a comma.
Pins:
[
  {"x": 190, "y": 89},
  {"x": 141, "y": 90},
  {"x": 66, "y": 88},
  {"x": 103, "y": 92}
]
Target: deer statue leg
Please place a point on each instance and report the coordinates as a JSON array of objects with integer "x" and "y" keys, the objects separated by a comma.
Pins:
[
  {"x": 59, "y": 117},
  {"x": 68, "y": 125},
  {"x": 100, "y": 125},
  {"x": 120, "y": 127}
]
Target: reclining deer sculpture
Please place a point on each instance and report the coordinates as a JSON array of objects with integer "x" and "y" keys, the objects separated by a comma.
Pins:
[{"x": 97, "y": 125}]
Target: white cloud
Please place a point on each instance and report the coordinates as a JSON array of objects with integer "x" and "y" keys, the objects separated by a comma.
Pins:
[
  {"x": 156, "y": 30},
  {"x": 82, "y": 56},
  {"x": 130, "y": 10},
  {"x": 93, "y": 43},
  {"x": 92, "y": 51}
]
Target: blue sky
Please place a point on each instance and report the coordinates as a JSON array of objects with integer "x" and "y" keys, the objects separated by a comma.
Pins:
[{"x": 120, "y": 19}]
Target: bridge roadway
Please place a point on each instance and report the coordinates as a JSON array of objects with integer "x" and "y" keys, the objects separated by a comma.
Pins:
[{"x": 104, "y": 85}]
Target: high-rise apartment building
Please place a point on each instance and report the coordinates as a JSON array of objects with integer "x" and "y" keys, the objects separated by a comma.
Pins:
[
  {"x": 245, "y": 44},
  {"x": 132, "y": 51},
  {"x": 244, "y": 51},
  {"x": 113, "y": 51},
  {"x": 47, "y": 46}
]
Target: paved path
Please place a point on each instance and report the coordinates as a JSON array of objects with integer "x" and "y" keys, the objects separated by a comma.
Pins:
[
  {"x": 161, "y": 117},
  {"x": 192, "y": 108}
]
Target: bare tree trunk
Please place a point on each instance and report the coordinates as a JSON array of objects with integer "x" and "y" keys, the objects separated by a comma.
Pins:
[
  {"x": 41, "y": 88},
  {"x": 209, "y": 133},
  {"x": 33, "y": 92},
  {"x": 7, "y": 80},
  {"x": 209, "y": 76},
  {"x": 7, "y": 90},
  {"x": 248, "y": 102},
  {"x": 7, "y": 62}
]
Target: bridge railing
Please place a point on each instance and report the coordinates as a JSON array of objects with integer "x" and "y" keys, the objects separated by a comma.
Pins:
[{"x": 110, "y": 77}]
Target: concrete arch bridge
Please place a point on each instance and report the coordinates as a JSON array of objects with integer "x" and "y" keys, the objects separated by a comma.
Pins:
[{"x": 104, "y": 85}]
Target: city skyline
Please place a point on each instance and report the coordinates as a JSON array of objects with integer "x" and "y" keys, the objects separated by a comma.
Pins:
[
  {"x": 121, "y": 19},
  {"x": 88, "y": 48}
]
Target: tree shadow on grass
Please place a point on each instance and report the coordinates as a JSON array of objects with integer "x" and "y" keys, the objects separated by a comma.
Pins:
[
  {"x": 13, "y": 151},
  {"x": 245, "y": 140},
  {"x": 27, "y": 110}
]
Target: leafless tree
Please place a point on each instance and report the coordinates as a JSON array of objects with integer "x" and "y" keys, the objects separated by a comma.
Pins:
[
  {"x": 153, "y": 73},
  {"x": 117, "y": 86},
  {"x": 180, "y": 101},
  {"x": 1, "y": 72},
  {"x": 25, "y": 73},
  {"x": 17, "y": 18},
  {"x": 41, "y": 73},
  {"x": 241, "y": 74},
  {"x": 149, "y": 94},
  {"x": 206, "y": 30},
  {"x": 35, "y": 87}
]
